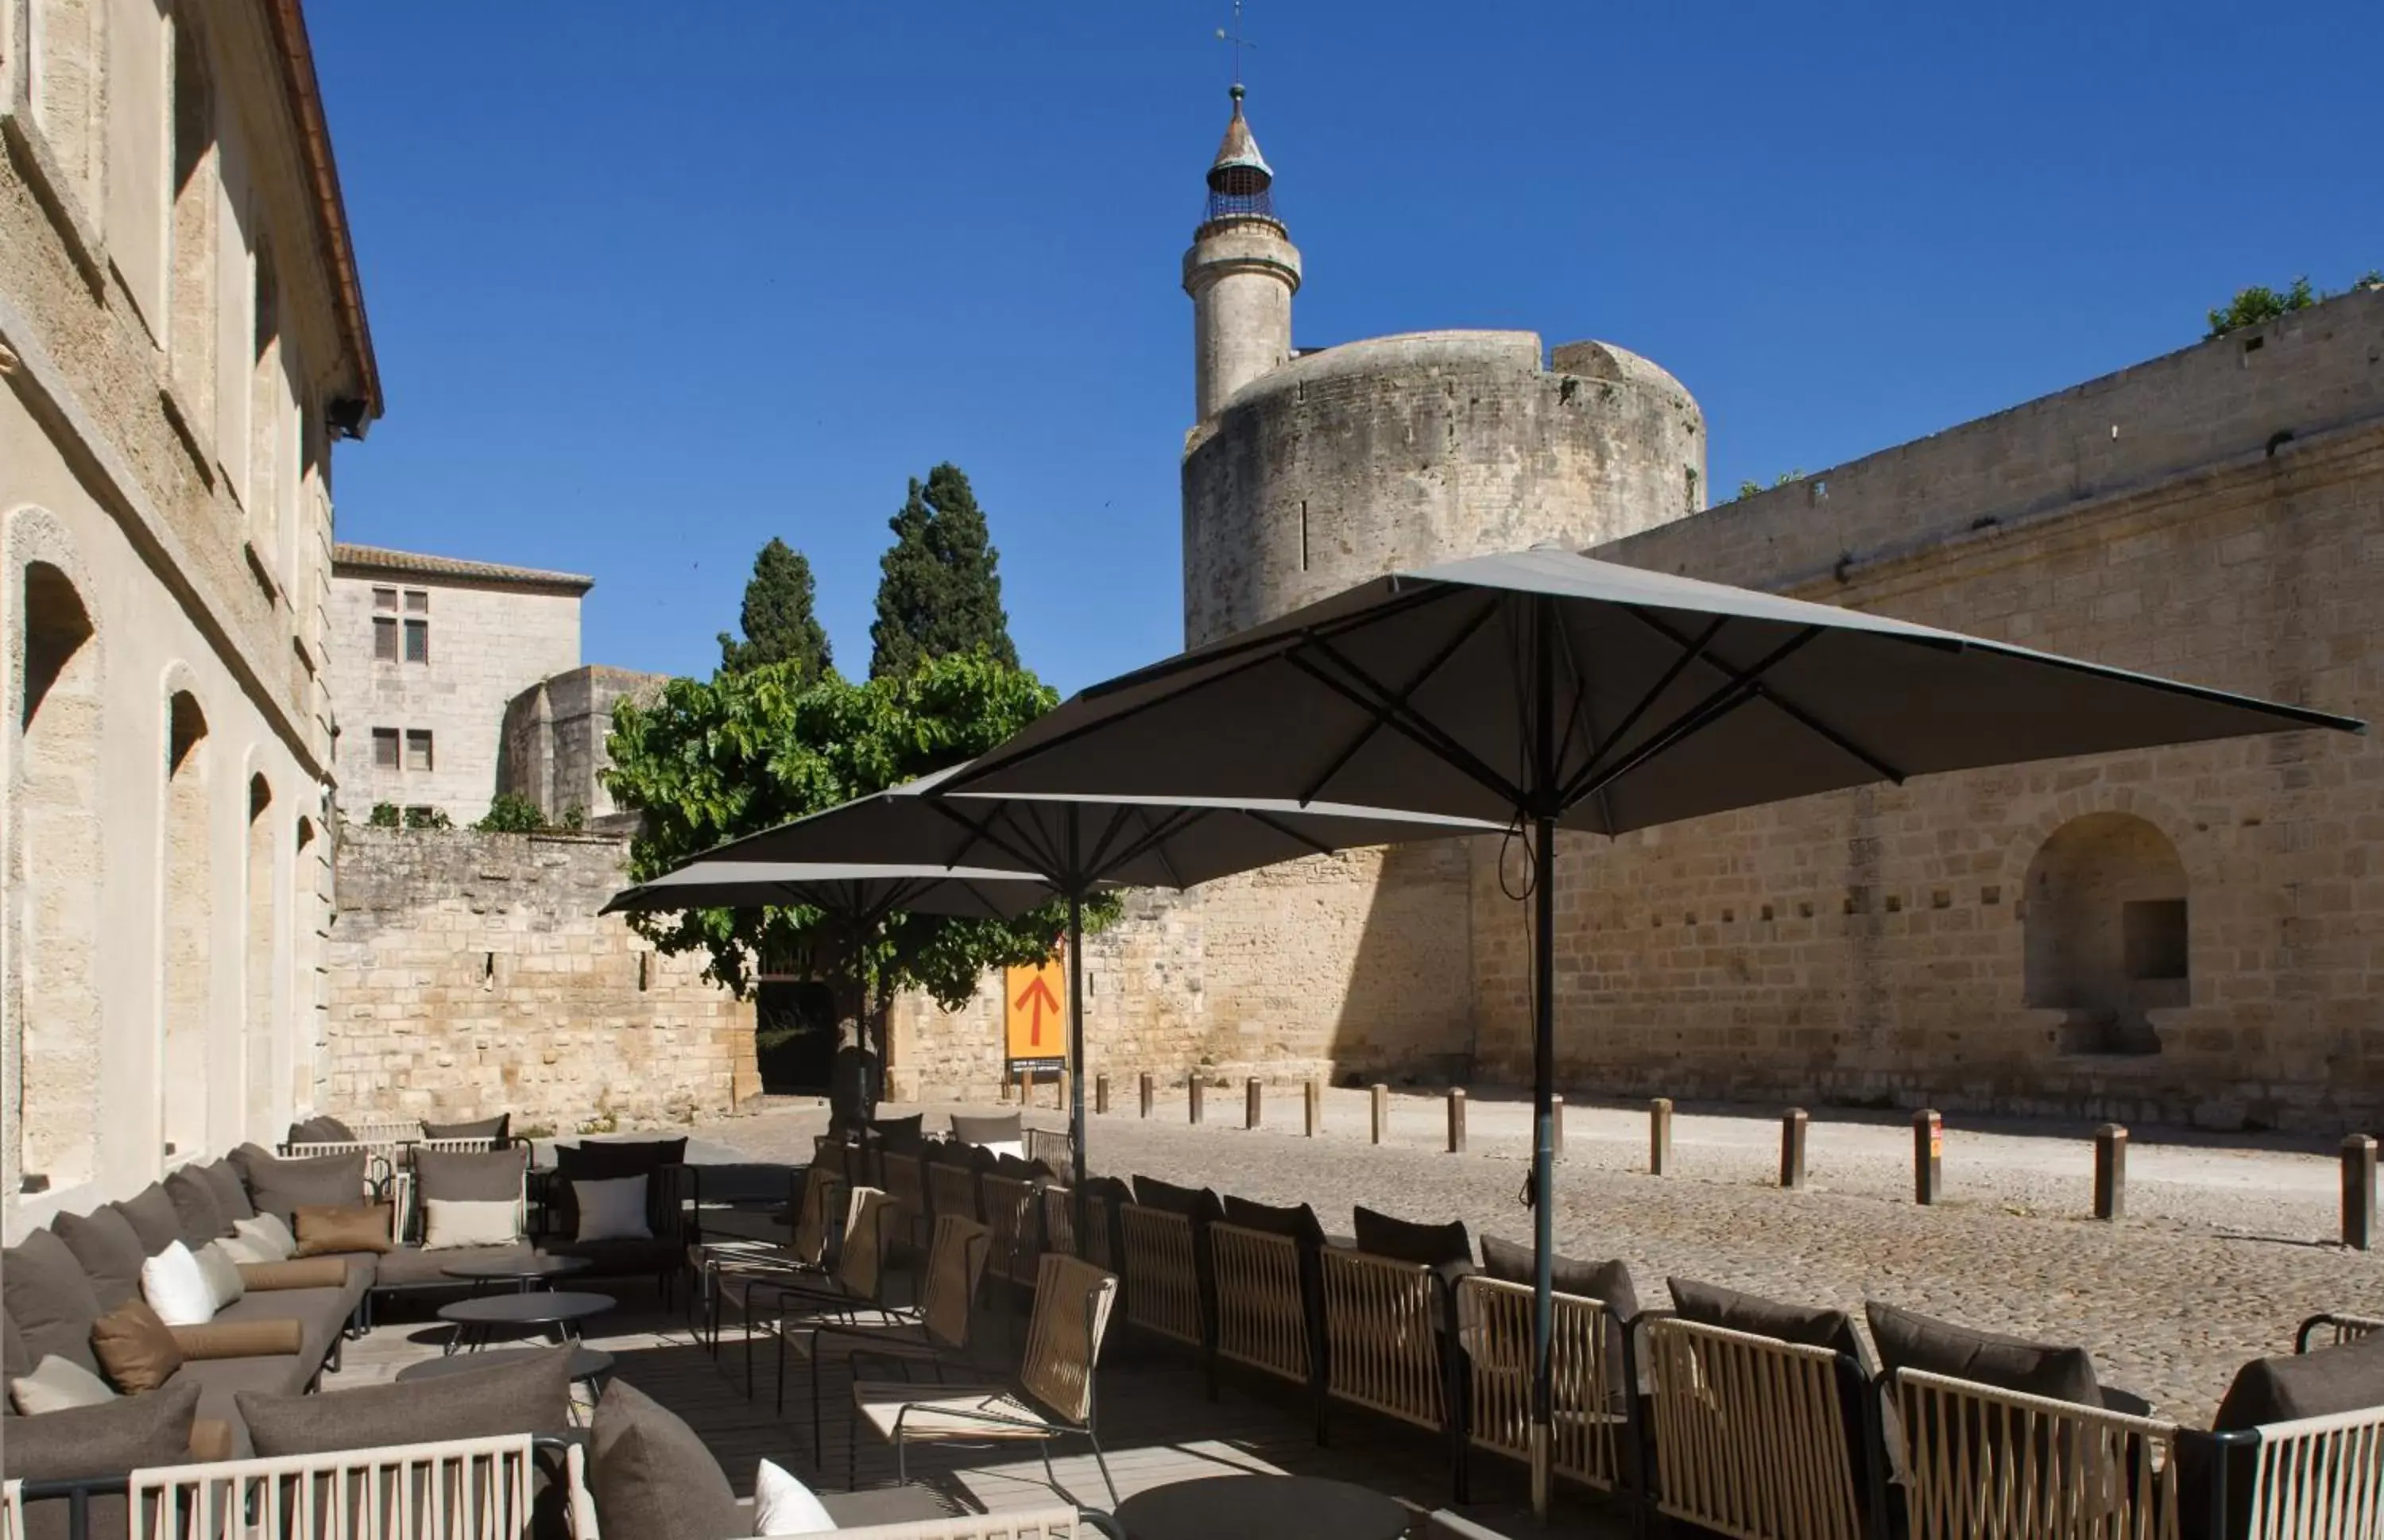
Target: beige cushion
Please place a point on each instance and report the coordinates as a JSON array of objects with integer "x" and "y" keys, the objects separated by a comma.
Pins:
[
  {"x": 135, "y": 1346},
  {"x": 450, "y": 1222},
  {"x": 268, "y": 1235},
  {"x": 57, "y": 1384},
  {"x": 222, "y": 1274},
  {"x": 784, "y": 1506},
  {"x": 349, "y": 1227},
  {"x": 176, "y": 1287}
]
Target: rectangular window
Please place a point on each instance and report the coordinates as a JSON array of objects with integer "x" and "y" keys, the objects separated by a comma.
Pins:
[
  {"x": 417, "y": 749},
  {"x": 384, "y": 748},
  {"x": 384, "y": 638},
  {"x": 416, "y": 602},
  {"x": 417, "y": 641},
  {"x": 385, "y": 599}
]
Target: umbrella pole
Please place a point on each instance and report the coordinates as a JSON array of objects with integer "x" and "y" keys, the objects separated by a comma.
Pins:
[
  {"x": 1544, "y": 1071},
  {"x": 1077, "y": 1028}
]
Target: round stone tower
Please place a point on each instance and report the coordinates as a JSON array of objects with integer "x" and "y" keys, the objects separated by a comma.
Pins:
[{"x": 1241, "y": 272}]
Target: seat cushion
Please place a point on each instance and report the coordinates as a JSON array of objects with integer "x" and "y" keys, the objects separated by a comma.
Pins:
[
  {"x": 50, "y": 1298},
  {"x": 1712, "y": 1305},
  {"x": 154, "y": 1218},
  {"x": 1608, "y": 1283},
  {"x": 412, "y": 1267},
  {"x": 221, "y": 1381},
  {"x": 531, "y": 1395},
  {"x": 108, "y": 1251},
  {"x": 1910, "y": 1341},
  {"x": 1404, "y": 1240},
  {"x": 626, "y": 1257},
  {"x": 129, "y": 1434},
  {"x": 651, "y": 1477},
  {"x": 224, "y": 1180},
  {"x": 281, "y": 1188},
  {"x": 321, "y": 1314},
  {"x": 196, "y": 1205}
]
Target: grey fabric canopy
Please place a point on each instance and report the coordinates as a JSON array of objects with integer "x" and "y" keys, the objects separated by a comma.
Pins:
[
  {"x": 860, "y": 895},
  {"x": 1546, "y": 689}
]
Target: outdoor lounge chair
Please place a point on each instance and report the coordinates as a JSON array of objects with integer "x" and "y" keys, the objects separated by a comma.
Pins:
[
  {"x": 857, "y": 1286},
  {"x": 903, "y": 1176},
  {"x": 2328, "y": 1329},
  {"x": 1053, "y": 1397},
  {"x": 820, "y": 1213},
  {"x": 1269, "y": 1305},
  {"x": 952, "y": 1181},
  {"x": 1592, "y": 1434},
  {"x": 1012, "y": 1210},
  {"x": 1982, "y": 1460},
  {"x": 1386, "y": 1325}
]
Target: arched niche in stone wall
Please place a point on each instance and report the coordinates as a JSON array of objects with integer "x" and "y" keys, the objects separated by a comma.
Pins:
[
  {"x": 2105, "y": 925},
  {"x": 259, "y": 935},
  {"x": 189, "y": 892}
]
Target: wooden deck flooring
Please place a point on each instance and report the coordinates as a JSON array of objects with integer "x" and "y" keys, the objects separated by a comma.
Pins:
[{"x": 1156, "y": 1423}]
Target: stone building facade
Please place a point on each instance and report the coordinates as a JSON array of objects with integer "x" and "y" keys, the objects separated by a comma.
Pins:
[
  {"x": 426, "y": 653},
  {"x": 556, "y": 741},
  {"x": 2183, "y": 935},
  {"x": 182, "y": 339},
  {"x": 472, "y": 975}
]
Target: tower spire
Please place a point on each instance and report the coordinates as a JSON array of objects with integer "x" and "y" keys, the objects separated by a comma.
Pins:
[{"x": 1242, "y": 269}]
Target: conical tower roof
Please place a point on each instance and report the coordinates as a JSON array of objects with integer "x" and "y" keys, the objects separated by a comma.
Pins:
[
  {"x": 1239, "y": 149},
  {"x": 1239, "y": 178}
]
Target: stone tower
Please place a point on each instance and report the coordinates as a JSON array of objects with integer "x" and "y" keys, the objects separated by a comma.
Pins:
[{"x": 1241, "y": 272}]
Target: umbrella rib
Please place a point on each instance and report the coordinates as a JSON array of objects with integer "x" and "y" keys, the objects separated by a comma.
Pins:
[
  {"x": 1729, "y": 698},
  {"x": 1398, "y": 603},
  {"x": 1690, "y": 654},
  {"x": 985, "y": 832},
  {"x": 1797, "y": 713},
  {"x": 1398, "y": 700},
  {"x": 1154, "y": 842},
  {"x": 1295, "y": 835},
  {"x": 1422, "y": 731}
]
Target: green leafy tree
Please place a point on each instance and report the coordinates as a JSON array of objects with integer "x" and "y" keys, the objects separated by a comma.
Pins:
[
  {"x": 714, "y": 759},
  {"x": 778, "y": 620},
  {"x": 1748, "y": 488},
  {"x": 510, "y": 812},
  {"x": 2260, "y": 303},
  {"x": 940, "y": 592}
]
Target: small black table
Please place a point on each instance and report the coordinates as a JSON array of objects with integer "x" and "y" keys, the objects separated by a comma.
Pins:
[
  {"x": 1263, "y": 1508},
  {"x": 557, "y": 1313},
  {"x": 525, "y": 1273},
  {"x": 591, "y": 1364}
]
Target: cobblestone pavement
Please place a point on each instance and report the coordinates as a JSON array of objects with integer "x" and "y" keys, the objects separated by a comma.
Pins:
[{"x": 2225, "y": 1251}]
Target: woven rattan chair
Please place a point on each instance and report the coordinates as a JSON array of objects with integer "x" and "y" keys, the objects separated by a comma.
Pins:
[
  {"x": 1011, "y": 1210},
  {"x": 820, "y": 1213},
  {"x": 1387, "y": 1329},
  {"x": 953, "y": 1183},
  {"x": 1053, "y": 1398},
  {"x": 458, "y": 1489},
  {"x": 1162, "y": 1274},
  {"x": 856, "y": 1287},
  {"x": 1979, "y": 1460},
  {"x": 1263, "y": 1318},
  {"x": 903, "y": 1176},
  {"x": 1751, "y": 1435},
  {"x": 1589, "y": 1407}
]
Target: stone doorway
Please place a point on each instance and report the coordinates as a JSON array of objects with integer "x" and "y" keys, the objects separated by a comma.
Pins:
[{"x": 2106, "y": 927}]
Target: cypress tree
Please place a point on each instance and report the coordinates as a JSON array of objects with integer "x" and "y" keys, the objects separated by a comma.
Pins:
[
  {"x": 940, "y": 592},
  {"x": 778, "y": 619}
]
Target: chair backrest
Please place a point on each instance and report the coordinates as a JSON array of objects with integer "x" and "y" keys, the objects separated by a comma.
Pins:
[
  {"x": 1042, "y": 1523},
  {"x": 1064, "y": 1340},
  {"x": 462, "y": 1489},
  {"x": 1979, "y": 1460},
  {"x": 1051, "y": 1145},
  {"x": 832, "y": 1152},
  {"x": 951, "y": 1188},
  {"x": 1163, "y": 1273},
  {"x": 1750, "y": 1435},
  {"x": 904, "y": 1179},
  {"x": 2331, "y": 1329},
  {"x": 2321, "y": 1478},
  {"x": 817, "y": 1215},
  {"x": 1495, "y": 1328},
  {"x": 1262, "y": 1312},
  {"x": 1009, "y": 1211},
  {"x": 1059, "y": 1220},
  {"x": 955, "y": 1265},
  {"x": 1382, "y": 1349},
  {"x": 869, "y": 1225}
]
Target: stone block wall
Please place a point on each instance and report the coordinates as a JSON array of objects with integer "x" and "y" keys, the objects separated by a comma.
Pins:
[
  {"x": 470, "y": 975},
  {"x": 554, "y": 744}
]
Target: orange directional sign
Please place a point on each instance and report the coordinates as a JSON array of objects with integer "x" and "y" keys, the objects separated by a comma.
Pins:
[{"x": 1034, "y": 1014}]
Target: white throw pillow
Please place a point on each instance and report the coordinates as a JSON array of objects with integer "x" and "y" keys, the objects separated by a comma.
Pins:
[
  {"x": 222, "y": 1273},
  {"x": 244, "y": 1252},
  {"x": 268, "y": 1234},
  {"x": 58, "y": 1385},
  {"x": 1014, "y": 1148},
  {"x": 448, "y": 1222},
  {"x": 784, "y": 1506},
  {"x": 613, "y": 1210},
  {"x": 176, "y": 1289}
]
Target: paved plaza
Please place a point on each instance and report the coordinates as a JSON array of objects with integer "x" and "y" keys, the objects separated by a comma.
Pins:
[{"x": 2228, "y": 1245}]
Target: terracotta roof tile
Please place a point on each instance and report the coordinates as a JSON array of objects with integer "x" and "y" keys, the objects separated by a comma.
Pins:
[{"x": 374, "y": 558}]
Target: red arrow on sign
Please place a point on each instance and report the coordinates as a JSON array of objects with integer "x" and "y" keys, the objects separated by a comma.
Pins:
[{"x": 1036, "y": 996}]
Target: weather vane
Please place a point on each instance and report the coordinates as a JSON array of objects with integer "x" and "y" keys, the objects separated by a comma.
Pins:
[{"x": 1237, "y": 41}]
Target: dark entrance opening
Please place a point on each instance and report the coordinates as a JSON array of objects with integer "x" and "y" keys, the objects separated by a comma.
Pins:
[{"x": 794, "y": 1035}]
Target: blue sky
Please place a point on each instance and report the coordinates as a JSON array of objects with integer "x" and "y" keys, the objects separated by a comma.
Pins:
[{"x": 648, "y": 293}]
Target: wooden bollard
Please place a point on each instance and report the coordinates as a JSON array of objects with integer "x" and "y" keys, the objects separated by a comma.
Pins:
[
  {"x": 1066, "y": 1083},
  {"x": 1660, "y": 1135},
  {"x": 1556, "y": 1124},
  {"x": 1253, "y": 1106},
  {"x": 1196, "y": 1089},
  {"x": 1793, "y": 1130},
  {"x": 1149, "y": 1089},
  {"x": 2110, "y": 1172},
  {"x": 1100, "y": 1093},
  {"x": 1381, "y": 1095},
  {"x": 1457, "y": 1120},
  {"x": 1928, "y": 1156},
  {"x": 2359, "y": 1192},
  {"x": 1315, "y": 1098}
]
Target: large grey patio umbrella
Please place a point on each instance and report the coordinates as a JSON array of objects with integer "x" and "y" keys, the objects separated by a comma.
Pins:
[
  {"x": 1075, "y": 846},
  {"x": 1546, "y": 689}
]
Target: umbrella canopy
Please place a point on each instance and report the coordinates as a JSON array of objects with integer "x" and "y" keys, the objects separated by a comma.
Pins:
[
  {"x": 1549, "y": 690},
  {"x": 857, "y": 894}
]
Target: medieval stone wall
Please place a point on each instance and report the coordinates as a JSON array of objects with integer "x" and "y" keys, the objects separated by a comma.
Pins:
[{"x": 471, "y": 975}]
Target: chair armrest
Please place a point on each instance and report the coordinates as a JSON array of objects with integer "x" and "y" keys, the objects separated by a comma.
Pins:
[
  {"x": 325, "y": 1272},
  {"x": 581, "y": 1503},
  {"x": 240, "y": 1339}
]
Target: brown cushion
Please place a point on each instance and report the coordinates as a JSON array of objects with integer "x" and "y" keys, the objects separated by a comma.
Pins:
[
  {"x": 193, "y": 1197},
  {"x": 1609, "y": 1283},
  {"x": 50, "y": 1298},
  {"x": 1712, "y": 1305},
  {"x": 129, "y": 1434},
  {"x": 241, "y": 1340},
  {"x": 327, "y": 1230},
  {"x": 135, "y": 1350},
  {"x": 280, "y": 1187},
  {"x": 154, "y": 1218},
  {"x": 298, "y": 1273},
  {"x": 651, "y": 1477},
  {"x": 1404, "y": 1240},
  {"x": 223, "y": 1178},
  {"x": 493, "y": 1177},
  {"x": 212, "y": 1439},
  {"x": 107, "y": 1250},
  {"x": 1910, "y": 1341},
  {"x": 497, "y": 1128},
  {"x": 529, "y": 1394}
]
